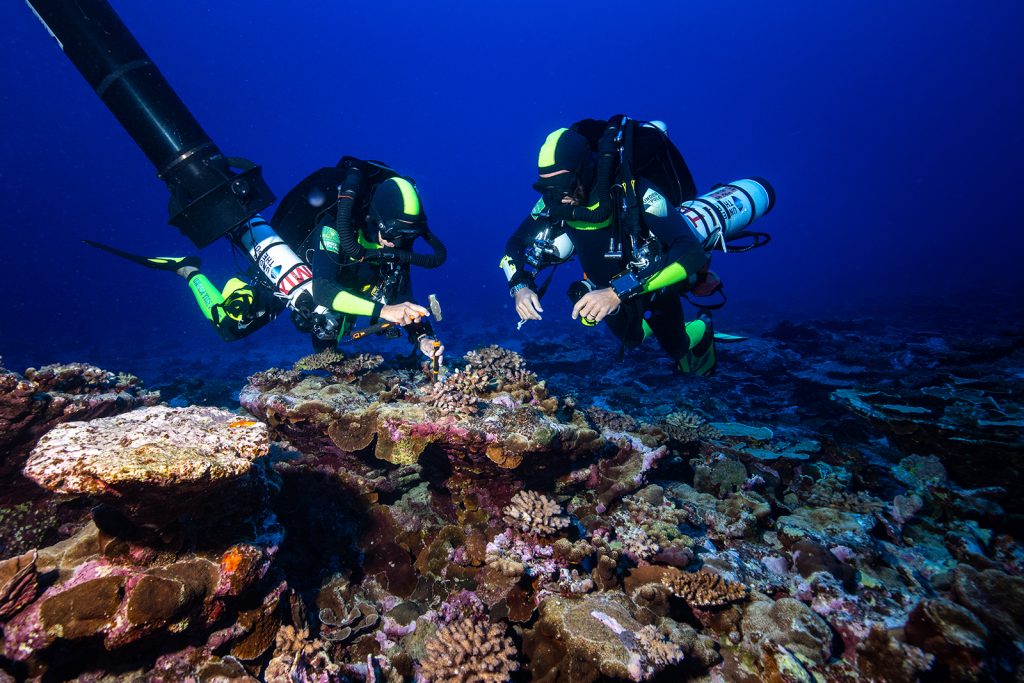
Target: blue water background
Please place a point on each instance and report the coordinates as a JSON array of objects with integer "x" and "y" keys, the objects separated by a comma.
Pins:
[{"x": 891, "y": 131}]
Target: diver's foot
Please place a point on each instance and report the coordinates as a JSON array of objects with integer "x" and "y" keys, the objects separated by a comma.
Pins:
[{"x": 182, "y": 265}]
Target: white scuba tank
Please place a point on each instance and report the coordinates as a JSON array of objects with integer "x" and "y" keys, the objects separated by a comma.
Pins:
[
  {"x": 290, "y": 275},
  {"x": 728, "y": 210}
]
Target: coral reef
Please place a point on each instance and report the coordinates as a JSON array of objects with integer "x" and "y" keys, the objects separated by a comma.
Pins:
[
  {"x": 365, "y": 526},
  {"x": 468, "y": 650},
  {"x": 535, "y": 513},
  {"x": 32, "y": 404}
]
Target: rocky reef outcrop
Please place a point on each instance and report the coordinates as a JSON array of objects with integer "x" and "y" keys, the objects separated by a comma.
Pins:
[{"x": 32, "y": 403}]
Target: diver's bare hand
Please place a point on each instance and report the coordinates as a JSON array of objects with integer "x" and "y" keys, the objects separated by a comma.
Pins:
[
  {"x": 428, "y": 350},
  {"x": 528, "y": 304},
  {"x": 596, "y": 305},
  {"x": 403, "y": 313}
]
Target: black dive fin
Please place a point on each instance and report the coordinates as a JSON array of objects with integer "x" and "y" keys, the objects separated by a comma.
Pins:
[
  {"x": 723, "y": 338},
  {"x": 170, "y": 263}
]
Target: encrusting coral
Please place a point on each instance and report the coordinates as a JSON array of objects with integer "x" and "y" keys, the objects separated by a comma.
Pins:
[
  {"x": 469, "y": 650},
  {"x": 706, "y": 589},
  {"x": 535, "y": 513}
]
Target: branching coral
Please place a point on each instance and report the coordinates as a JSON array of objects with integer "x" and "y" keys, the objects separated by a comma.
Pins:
[
  {"x": 364, "y": 362},
  {"x": 468, "y": 381},
  {"x": 450, "y": 400},
  {"x": 658, "y": 650},
  {"x": 337, "y": 364},
  {"x": 79, "y": 378},
  {"x": 571, "y": 582},
  {"x": 299, "y": 657},
  {"x": 706, "y": 589},
  {"x": 686, "y": 426},
  {"x": 495, "y": 361},
  {"x": 518, "y": 382},
  {"x": 513, "y": 556},
  {"x": 275, "y": 377},
  {"x": 468, "y": 650},
  {"x": 535, "y": 513},
  {"x": 645, "y": 530}
]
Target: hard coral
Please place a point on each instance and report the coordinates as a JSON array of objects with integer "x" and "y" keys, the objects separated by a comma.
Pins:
[
  {"x": 275, "y": 377},
  {"x": 322, "y": 360},
  {"x": 686, "y": 427},
  {"x": 534, "y": 512},
  {"x": 337, "y": 364},
  {"x": 649, "y": 531},
  {"x": 79, "y": 378},
  {"x": 495, "y": 361},
  {"x": 517, "y": 382},
  {"x": 612, "y": 420},
  {"x": 343, "y": 615},
  {"x": 450, "y": 400},
  {"x": 660, "y": 651},
  {"x": 297, "y": 657},
  {"x": 467, "y": 650},
  {"x": 468, "y": 381},
  {"x": 706, "y": 589}
]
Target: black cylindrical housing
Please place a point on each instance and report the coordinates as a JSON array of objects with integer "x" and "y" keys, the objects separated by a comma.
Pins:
[{"x": 208, "y": 196}]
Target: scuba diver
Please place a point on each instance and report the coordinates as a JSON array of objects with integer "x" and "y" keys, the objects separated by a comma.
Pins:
[
  {"x": 215, "y": 196},
  {"x": 358, "y": 256},
  {"x": 619, "y": 195},
  {"x": 361, "y": 248}
]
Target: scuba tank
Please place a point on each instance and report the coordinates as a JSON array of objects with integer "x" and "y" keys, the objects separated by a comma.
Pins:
[
  {"x": 725, "y": 213},
  {"x": 288, "y": 275}
]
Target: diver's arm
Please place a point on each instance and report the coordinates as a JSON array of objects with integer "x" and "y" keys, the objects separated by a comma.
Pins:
[
  {"x": 513, "y": 262},
  {"x": 422, "y": 327},
  {"x": 682, "y": 255},
  {"x": 326, "y": 291}
]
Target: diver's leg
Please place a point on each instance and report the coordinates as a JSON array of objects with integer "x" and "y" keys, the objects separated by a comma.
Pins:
[
  {"x": 239, "y": 310},
  {"x": 691, "y": 345},
  {"x": 666, "y": 320}
]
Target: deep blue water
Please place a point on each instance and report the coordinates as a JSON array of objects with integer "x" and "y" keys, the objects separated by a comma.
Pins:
[{"x": 891, "y": 132}]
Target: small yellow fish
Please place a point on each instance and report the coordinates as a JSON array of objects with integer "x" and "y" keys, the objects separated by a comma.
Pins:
[{"x": 242, "y": 423}]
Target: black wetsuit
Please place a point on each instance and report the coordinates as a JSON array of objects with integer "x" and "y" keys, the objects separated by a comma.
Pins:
[
  {"x": 356, "y": 288},
  {"x": 675, "y": 269}
]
